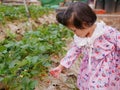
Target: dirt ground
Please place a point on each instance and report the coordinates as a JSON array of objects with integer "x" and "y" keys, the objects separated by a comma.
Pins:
[
  {"x": 111, "y": 19},
  {"x": 67, "y": 80}
]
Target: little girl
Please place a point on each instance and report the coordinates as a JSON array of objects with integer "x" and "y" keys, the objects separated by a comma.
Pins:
[{"x": 99, "y": 44}]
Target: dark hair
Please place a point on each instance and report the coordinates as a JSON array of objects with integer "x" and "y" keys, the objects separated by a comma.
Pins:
[{"x": 76, "y": 14}]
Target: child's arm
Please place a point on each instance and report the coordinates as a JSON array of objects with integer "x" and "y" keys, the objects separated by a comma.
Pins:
[
  {"x": 71, "y": 56},
  {"x": 113, "y": 36},
  {"x": 67, "y": 61}
]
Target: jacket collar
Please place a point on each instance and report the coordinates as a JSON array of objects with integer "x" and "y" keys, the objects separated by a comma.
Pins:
[{"x": 99, "y": 30}]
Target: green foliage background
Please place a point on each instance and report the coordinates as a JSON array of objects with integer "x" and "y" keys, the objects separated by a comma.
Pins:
[
  {"x": 12, "y": 13},
  {"x": 21, "y": 61}
]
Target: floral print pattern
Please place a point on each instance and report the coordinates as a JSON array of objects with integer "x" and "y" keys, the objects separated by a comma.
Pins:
[{"x": 105, "y": 59}]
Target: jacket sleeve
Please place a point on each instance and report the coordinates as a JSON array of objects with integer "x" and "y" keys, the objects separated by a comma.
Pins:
[
  {"x": 114, "y": 36},
  {"x": 72, "y": 54}
]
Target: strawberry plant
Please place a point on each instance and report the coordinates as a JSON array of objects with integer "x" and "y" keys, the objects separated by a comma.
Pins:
[
  {"x": 21, "y": 61},
  {"x": 10, "y": 13}
]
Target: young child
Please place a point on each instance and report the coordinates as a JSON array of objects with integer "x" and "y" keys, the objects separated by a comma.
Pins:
[{"x": 99, "y": 44}]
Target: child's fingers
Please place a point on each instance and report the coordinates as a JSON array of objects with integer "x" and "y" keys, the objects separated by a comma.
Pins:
[{"x": 54, "y": 73}]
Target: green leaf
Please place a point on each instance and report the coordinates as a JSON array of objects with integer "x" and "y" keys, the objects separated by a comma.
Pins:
[
  {"x": 25, "y": 81},
  {"x": 2, "y": 48},
  {"x": 32, "y": 84},
  {"x": 22, "y": 63},
  {"x": 34, "y": 72},
  {"x": 13, "y": 63}
]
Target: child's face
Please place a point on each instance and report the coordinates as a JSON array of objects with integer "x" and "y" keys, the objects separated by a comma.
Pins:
[{"x": 79, "y": 32}]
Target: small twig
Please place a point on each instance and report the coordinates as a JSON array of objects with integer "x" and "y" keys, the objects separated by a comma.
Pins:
[{"x": 28, "y": 14}]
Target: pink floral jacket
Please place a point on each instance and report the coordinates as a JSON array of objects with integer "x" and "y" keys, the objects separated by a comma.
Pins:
[{"x": 101, "y": 58}]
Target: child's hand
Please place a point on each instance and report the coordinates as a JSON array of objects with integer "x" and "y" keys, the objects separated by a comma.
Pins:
[{"x": 56, "y": 71}]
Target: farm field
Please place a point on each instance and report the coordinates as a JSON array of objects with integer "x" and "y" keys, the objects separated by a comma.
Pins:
[{"x": 33, "y": 43}]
